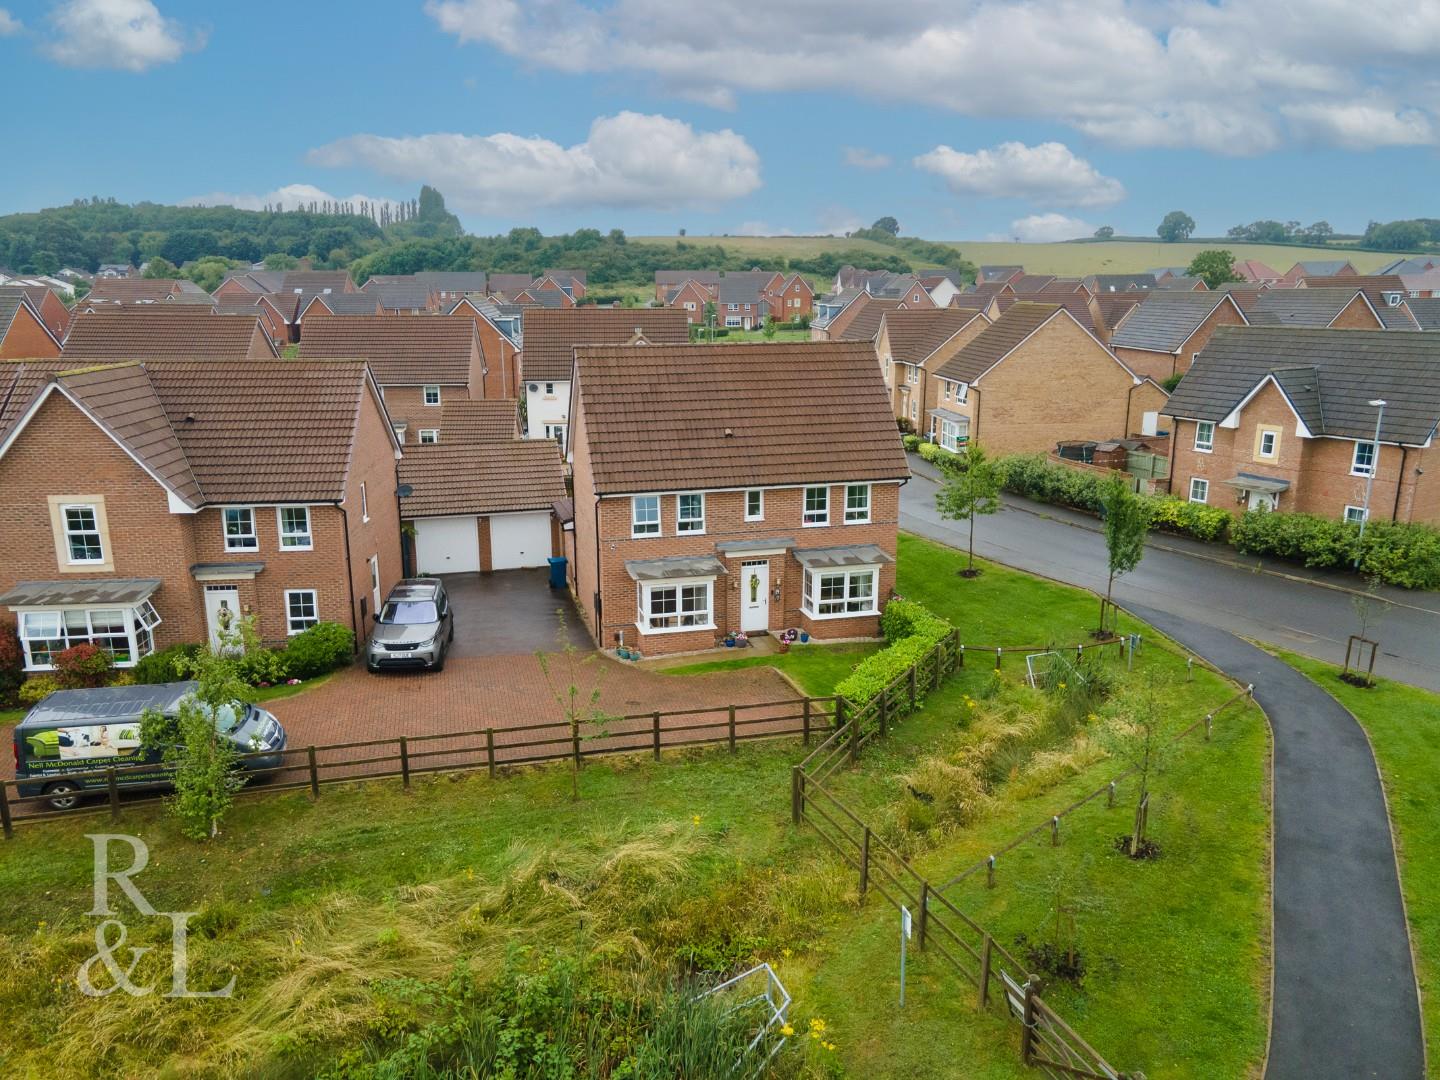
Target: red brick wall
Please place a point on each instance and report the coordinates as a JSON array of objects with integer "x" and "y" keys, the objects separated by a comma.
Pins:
[
  {"x": 373, "y": 462},
  {"x": 27, "y": 338},
  {"x": 408, "y": 403},
  {"x": 1357, "y": 315}
]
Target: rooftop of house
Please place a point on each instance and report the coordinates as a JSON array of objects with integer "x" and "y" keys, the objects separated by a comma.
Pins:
[
  {"x": 1182, "y": 283},
  {"x": 1309, "y": 307},
  {"x": 1031, "y": 283},
  {"x": 1410, "y": 264},
  {"x": 671, "y": 279},
  {"x": 661, "y": 418},
  {"x": 1328, "y": 376},
  {"x": 915, "y": 335},
  {"x": 1115, "y": 308},
  {"x": 479, "y": 420},
  {"x": 509, "y": 284},
  {"x": 1255, "y": 270},
  {"x": 1320, "y": 267},
  {"x": 449, "y": 478},
  {"x": 402, "y": 295},
  {"x": 865, "y": 324},
  {"x": 1000, "y": 339},
  {"x": 1113, "y": 283},
  {"x": 163, "y": 331},
  {"x": 213, "y": 431},
  {"x": 141, "y": 290},
  {"x": 343, "y": 303},
  {"x": 552, "y": 335},
  {"x": 401, "y": 351},
  {"x": 1166, "y": 320},
  {"x": 542, "y": 298},
  {"x": 451, "y": 282},
  {"x": 988, "y": 274},
  {"x": 1426, "y": 310}
]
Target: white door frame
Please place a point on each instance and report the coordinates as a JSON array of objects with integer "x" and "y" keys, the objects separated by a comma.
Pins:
[
  {"x": 218, "y": 598},
  {"x": 375, "y": 583},
  {"x": 755, "y": 615}
]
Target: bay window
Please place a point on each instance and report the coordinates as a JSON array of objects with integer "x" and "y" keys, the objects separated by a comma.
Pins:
[
  {"x": 125, "y": 634},
  {"x": 837, "y": 593},
  {"x": 675, "y": 605},
  {"x": 952, "y": 435}
]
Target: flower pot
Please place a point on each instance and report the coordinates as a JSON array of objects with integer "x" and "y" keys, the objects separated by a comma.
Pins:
[
  {"x": 729, "y": 643},
  {"x": 634, "y": 654},
  {"x": 784, "y": 646},
  {"x": 623, "y": 653},
  {"x": 804, "y": 637}
]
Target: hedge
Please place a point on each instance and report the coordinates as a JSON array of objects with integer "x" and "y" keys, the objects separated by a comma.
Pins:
[
  {"x": 937, "y": 454},
  {"x": 911, "y": 631},
  {"x": 324, "y": 647}
]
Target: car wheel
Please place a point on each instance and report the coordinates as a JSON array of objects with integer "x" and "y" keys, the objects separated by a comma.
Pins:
[
  {"x": 439, "y": 664},
  {"x": 63, "y": 795},
  {"x": 372, "y": 669}
]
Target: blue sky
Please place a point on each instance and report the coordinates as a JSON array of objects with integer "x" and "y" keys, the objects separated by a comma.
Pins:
[{"x": 971, "y": 120}]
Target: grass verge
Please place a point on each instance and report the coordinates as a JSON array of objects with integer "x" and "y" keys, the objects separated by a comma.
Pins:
[{"x": 815, "y": 668}]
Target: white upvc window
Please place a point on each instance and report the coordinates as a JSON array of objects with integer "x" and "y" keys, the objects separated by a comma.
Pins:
[
  {"x": 817, "y": 506},
  {"x": 126, "y": 634},
  {"x": 364, "y": 503},
  {"x": 837, "y": 594},
  {"x": 952, "y": 435},
  {"x": 857, "y": 504},
  {"x": 915, "y": 409},
  {"x": 431, "y": 395},
  {"x": 429, "y": 436},
  {"x": 1354, "y": 515},
  {"x": 947, "y": 388},
  {"x": 399, "y": 430},
  {"x": 82, "y": 534},
  {"x": 690, "y": 513},
  {"x": 1199, "y": 490},
  {"x": 295, "y": 534},
  {"x": 733, "y": 307},
  {"x": 1204, "y": 436},
  {"x": 732, "y": 320},
  {"x": 556, "y": 432},
  {"x": 755, "y": 504},
  {"x": 240, "y": 529},
  {"x": 689, "y": 305},
  {"x": 301, "y": 610},
  {"x": 1363, "y": 463},
  {"x": 912, "y": 374},
  {"x": 549, "y": 389},
  {"x": 675, "y": 605},
  {"x": 645, "y": 515},
  {"x": 1267, "y": 443}
]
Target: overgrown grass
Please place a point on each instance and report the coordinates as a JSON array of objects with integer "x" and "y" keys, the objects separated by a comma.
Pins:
[
  {"x": 816, "y": 668},
  {"x": 1403, "y": 723}
]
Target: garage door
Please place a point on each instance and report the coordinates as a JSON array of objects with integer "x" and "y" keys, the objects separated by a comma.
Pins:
[
  {"x": 447, "y": 545},
  {"x": 518, "y": 540}
]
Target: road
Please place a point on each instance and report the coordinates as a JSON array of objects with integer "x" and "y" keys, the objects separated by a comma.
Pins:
[{"x": 1275, "y": 603}]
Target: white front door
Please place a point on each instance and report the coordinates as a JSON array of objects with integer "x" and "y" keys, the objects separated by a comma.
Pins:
[
  {"x": 222, "y": 607},
  {"x": 754, "y": 596},
  {"x": 1263, "y": 500},
  {"x": 375, "y": 582}
]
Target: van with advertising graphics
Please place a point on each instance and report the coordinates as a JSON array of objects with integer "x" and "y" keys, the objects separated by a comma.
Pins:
[{"x": 85, "y": 732}]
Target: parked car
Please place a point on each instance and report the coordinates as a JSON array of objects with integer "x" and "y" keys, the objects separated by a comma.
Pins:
[
  {"x": 88, "y": 731},
  {"x": 413, "y": 628}
]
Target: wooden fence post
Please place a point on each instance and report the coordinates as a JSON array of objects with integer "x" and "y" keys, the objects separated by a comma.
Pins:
[
  {"x": 884, "y": 712},
  {"x": 5, "y": 822},
  {"x": 1027, "y": 1032},
  {"x": 797, "y": 794},
  {"x": 114, "y": 786},
  {"x": 805, "y": 721},
  {"x": 939, "y": 669},
  {"x": 864, "y": 863},
  {"x": 854, "y": 737},
  {"x": 839, "y": 713},
  {"x": 1055, "y": 831},
  {"x": 731, "y": 729},
  {"x": 314, "y": 774},
  {"x": 404, "y": 763},
  {"x": 985, "y": 950},
  {"x": 914, "y": 678},
  {"x": 924, "y": 912},
  {"x": 655, "y": 732},
  {"x": 490, "y": 750}
]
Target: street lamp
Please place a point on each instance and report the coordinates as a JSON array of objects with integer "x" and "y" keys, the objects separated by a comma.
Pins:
[{"x": 1379, "y": 405}]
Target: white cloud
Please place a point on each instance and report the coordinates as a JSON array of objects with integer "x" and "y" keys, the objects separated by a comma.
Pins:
[
  {"x": 9, "y": 24},
  {"x": 288, "y": 197},
  {"x": 1047, "y": 172},
  {"x": 1048, "y": 228},
  {"x": 627, "y": 160},
  {"x": 1221, "y": 75},
  {"x": 860, "y": 158},
  {"x": 128, "y": 35}
]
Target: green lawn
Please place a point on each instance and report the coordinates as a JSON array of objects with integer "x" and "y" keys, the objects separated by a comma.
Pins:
[
  {"x": 751, "y": 337},
  {"x": 1403, "y": 723},
  {"x": 337, "y": 917},
  {"x": 816, "y": 668}
]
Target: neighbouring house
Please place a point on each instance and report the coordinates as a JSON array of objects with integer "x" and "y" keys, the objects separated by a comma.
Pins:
[
  {"x": 137, "y": 290},
  {"x": 738, "y": 522},
  {"x": 114, "y": 270},
  {"x": 1279, "y": 418},
  {"x": 1426, "y": 311},
  {"x": 1317, "y": 308},
  {"x": 551, "y": 337},
  {"x": 1421, "y": 284},
  {"x": 331, "y": 304},
  {"x": 500, "y": 337},
  {"x": 549, "y": 297},
  {"x": 910, "y": 346},
  {"x": 1031, "y": 283},
  {"x": 829, "y": 310},
  {"x": 445, "y": 286},
  {"x": 693, "y": 298},
  {"x": 1386, "y": 292},
  {"x": 192, "y": 490},
  {"x": 943, "y": 284},
  {"x": 46, "y": 303},
  {"x": 986, "y": 305},
  {"x": 167, "y": 332},
  {"x": 1404, "y": 266},
  {"x": 1119, "y": 283},
  {"x": 508, "y": 285},
  {"x": 404, "y": 297},
  {"x": 418, "y": 363},
  {"x": 1162, "y": 274},
  {"x": 463, "y": 421},
  {"x": 23, "y": 332},
  {"x": 1318, "y": 268},
  {"x": 270, "y": 308},
  {"x": 570, "y": 282},
  {"x": 1160, "y": 338},
  {"x": 1256, "y": 272},
  {"x": 482, "y": 505},
  {"x": 792, "y": 299},
  {"x": 1182, "y": 283},
  {"x": 862, "y": 321},
  {"x": 667, "y": 281},
  {"x": 1036, "y": 377},
  {"x": 305, "y": 283},
  {"x": 1114, "y": 309},
  {"x": 998, "y": 275}
]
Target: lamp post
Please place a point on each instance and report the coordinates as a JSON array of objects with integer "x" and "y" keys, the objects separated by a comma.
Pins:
[{"x": 1379, "y": 405}]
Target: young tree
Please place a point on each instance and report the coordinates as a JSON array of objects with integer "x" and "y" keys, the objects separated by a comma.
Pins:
[
  {"x": 1215, "y": 266},
  {"x": 1127, "y": 520},
  {"x": 1134, "y": 736},
  {"x": 159, "y": 268},
  {"x": 972, "y": 486},
  {"x": 565, "y": 671},
  {"x": 1176, "y": 225}
]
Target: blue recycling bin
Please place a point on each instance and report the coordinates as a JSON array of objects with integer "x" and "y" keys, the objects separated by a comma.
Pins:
[{"x": 557, "y": 572}]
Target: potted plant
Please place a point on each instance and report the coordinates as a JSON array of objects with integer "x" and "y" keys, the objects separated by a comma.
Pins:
[
  {"x": 804, "y": 637},
  {"x": 729, "y": 641},
  {"x": 623, "y": 652},
  {"x": 786, "y": 638},
  {"x": 742, "y": 639}
]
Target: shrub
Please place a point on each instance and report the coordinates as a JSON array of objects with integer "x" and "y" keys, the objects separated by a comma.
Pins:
[
  {"x": 911, "y": 631},
  {"x": 1392, "y": 552},
  {"x": 324, "y": 647},
  {"x": 937, "y": 454},
  {"x": 910, "y": 442},
  {"x": 36, "y": 689},
  {"x": 82, "y": 666},
  {"x": 905, "y": 426},
  {"x": 1186, "y": 518},
  {"x": 1035, "y": 477},
  {"x": 259, "y": 666},
  {"x": 159, "y": 667},
  {"x": 12, "y": 665}
]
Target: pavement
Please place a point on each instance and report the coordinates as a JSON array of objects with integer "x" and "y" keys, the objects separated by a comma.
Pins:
[
  {"x": 1345, "y": 1001},
  {"x": 1278, "y": 603}
]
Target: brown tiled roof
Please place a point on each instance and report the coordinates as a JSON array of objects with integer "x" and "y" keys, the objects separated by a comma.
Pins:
[
  {"x": 1031, "y": 283},
  {"x": 1114, "y": 307},
  {"x": 401, "y": 351},
  {"x": 481, "y": 420},
  {"x": 481, "y": 478},
  {"x": 866, "y": 322},
  {"x": 552, "y": 335},
  {"x": 998, "y": 340},
  {"x": 915, "y": 335},
  {"x": 318, "y": 280},
  {"x": 159, "y": 332},
  {"x": 131, "y": 290},
  {"x": 510, "y": 283},
  {"x": 662, "y": 418}
]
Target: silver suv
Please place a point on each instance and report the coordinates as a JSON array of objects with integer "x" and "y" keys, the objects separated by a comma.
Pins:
[{"x": 413, "y": 628}]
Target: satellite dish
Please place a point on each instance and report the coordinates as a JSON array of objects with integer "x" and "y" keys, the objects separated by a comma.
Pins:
[{"x": 534, "y": 388}]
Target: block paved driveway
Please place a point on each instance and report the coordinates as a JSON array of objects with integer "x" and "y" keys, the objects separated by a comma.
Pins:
[{"x": 511, "y": 612}]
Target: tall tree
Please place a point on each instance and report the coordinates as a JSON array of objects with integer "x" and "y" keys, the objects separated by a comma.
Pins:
[
  {"x": 887, "y": 224},
  {"x": 1105, "y": 232},
  {"x": 1215, "y": 266},
  {"x": 972, "y": 486},
  {"x": 1176, "y": 225},
  {"x": 1127, "y": 520}
]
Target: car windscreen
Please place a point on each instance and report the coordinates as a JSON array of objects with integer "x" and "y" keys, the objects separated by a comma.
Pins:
[
  {"x": 227, "y": 717},
  {"x": 408, "y": 612}
]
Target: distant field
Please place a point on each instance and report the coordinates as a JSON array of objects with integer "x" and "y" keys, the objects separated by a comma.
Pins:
[{"x": 1072, "y": 260}]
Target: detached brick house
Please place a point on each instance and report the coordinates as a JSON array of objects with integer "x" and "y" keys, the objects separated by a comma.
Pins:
[
  {"x": 911, "y": 346},
  {"x": 1281, "y": 419},
  {"x": 1317, "y": 308},
  {"x": 46, "y": 303},
  {"x": 1160, "y": 337},
  {"x": 1037, "y": 377},
  {"x": 23, "y": 332},
  {"x": 189, "y": 489},
  {"x": 759, "y": 491},
  {"x": 499, "y": 339}
]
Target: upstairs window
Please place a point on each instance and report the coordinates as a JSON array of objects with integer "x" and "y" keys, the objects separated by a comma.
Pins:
[
  {"x": 1363, "y": 463},
  {"x": 755, "y": 505},
  {"x": 645, "y": 515},
  {"x": 1205, "y": 436},
  {"x": 82, "y": 534},
  {"x": 690, "y": 513},
  {"x": 431, "y": 395},
  {"x": 295, "y": 532},
  {"x": 817, "y": 506},
  {"x": 429, "y": 436},
  {"x": 240, "y": 529},
  {"x": 857, "y": 504}
]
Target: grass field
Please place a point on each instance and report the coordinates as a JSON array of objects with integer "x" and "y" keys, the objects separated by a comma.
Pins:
[
  {"x": 1067, "y": 260},
  {"x": 1403, "y": 723},
  {"x": 343, "y": 919}
]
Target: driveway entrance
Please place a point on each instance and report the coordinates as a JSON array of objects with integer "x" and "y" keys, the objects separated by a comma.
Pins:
[{"x": 511, "y": 612}]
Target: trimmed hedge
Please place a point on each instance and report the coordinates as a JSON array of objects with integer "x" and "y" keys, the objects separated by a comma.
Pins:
[
  {"x": 910, "y": 442},
  {"x": 1185, "y": 518},
  {"x": 937, "y": 454},
  {"x": 911, "y": 631},
  {"x": 324, "y": 647},
  {"x": 159, "y": 667}
]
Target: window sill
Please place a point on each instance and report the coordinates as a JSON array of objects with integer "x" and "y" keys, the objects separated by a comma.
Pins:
[
  {"x": 1362, "y": 475},
  {"x": 300, "y": 547},
  {"x": 814, "y": 524},
  {"x": 247, "y": 550},
  {"x": 1204, "y": 449},
  {"x": 656, "y": 631},
  {"x": 645, "y": 536},
  {"x": 857, "y": 521},
  {"x": 689, "y": 532},
  {"x": 841, "y": 615}
]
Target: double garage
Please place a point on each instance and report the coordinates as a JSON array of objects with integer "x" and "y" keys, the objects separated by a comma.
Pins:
[{"x": 470, "y": 543}]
